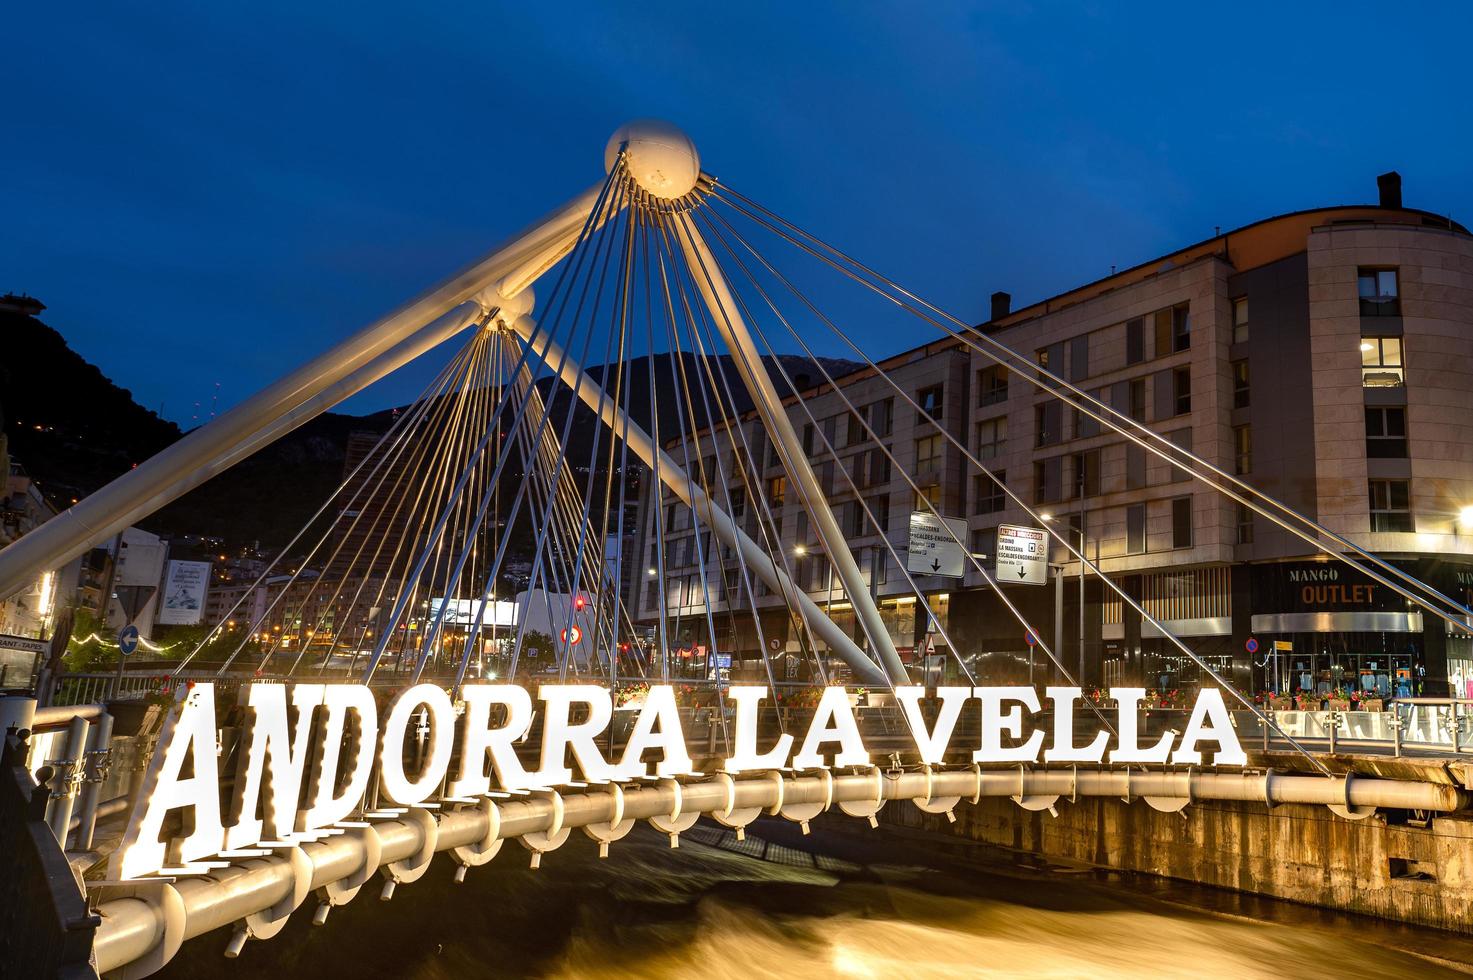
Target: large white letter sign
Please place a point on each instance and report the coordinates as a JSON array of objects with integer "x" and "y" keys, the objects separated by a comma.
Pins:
[
  {"x": 659, "y": 706},
  {"x": 559, "y": 734},
  {"x": 745, "y": 756},
  {"x": 1129, "y": 700},
  {"x": 995, "y": 722},
  {"x": 833, "y": 721},
  {"x": 1209, "y": 706},
  {"x": 274, "y": 753},
  {"x": 932, "y": 745},
  {"x": 188, "y": 735},
  {"x": 481, "y": 741},
  {"x": 396, "y": 784},
  {"x": 1064, "y": 749},
  {"x": 332, "y": 796}
]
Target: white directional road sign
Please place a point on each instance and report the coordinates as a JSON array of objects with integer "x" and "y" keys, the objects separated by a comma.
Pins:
[
  {"x": 1022, "y": 554},
  {"x": 933, "y": 550}
]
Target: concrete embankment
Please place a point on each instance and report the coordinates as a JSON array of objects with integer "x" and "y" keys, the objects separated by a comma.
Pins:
[{"x": 1399, "y": 865}]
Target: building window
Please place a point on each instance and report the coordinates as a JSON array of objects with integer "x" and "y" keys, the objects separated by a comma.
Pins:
[
  {"x": 1135, "y": 466},
  {"x": 984, "y": 545},
  {"x": 1173, "y": 329},
  {"x": 1391, "y": 505},
  {"x": 992, "y": 385},
  {"x": 1245, "y": 524},
  {"x": 1240, "y": 384},
  {"x": 1378, "y": 292},
  {"x": 1137, "y": 400},
  {"x": 1181, "y": 522},
  {"x": 854, "y": 523},
  {"x": 928, "y": 452},
  {"x": 808, "y": 439},
  {"x": 1048, "y": 421},
  {"x": 1182, "y": 439},
  {"x": 882, "y": 512},
  {"x": 878, "y": 566},
  {"x": 1242, "y": 449},
  {"x": 777, "y": 489},
  {"x": 800, "y": 527},
  {"x": 1181, "y": 388},
  {"x": 1135, "y": 340},
  {"x": 1079, "y": 358},
  {"x": 1048, "y": 480},
  {"x": 1240, "y": 320},
  {"x": 1087, "y": 473},
  {"x": 1085, "y": 424},
  {"x": 987, "y": 493},
  {"x": 1380, "y": 362},
  {"x": 992, "y": 434},
  {"x": 1051, "y": 358},
  {"x": 930, "y": 400},
  {"x": 882, "y": 417},
  {"x": 774, "y": 454},
  {"x": 879, "y": 466},
  {"x": 856, "y": 429},
  {"x": 928, "y": 495},
  {"x": 1386, "y": 433},
  {"x": 1135, "y": 529},
  {"x": 826, "y": 476},
  {"x": 831, "y": 430}
]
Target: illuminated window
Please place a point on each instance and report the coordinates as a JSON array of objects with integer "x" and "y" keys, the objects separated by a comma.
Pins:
[
  {"x": 1381, "y": 363},
  {"x": 777, "y": 489}
]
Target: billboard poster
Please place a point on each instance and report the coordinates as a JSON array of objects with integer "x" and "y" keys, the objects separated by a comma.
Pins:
[{"x": 184, "y": 593}]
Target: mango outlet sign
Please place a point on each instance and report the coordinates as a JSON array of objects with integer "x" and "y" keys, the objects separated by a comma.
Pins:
[{"x": 307, "y": 753}]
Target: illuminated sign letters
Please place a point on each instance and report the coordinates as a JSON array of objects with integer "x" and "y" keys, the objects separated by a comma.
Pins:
[{"x": 307, "y": 753}]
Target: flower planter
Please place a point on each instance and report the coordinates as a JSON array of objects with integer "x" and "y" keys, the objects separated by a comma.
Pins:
[{"x": 1338, "y": 704}]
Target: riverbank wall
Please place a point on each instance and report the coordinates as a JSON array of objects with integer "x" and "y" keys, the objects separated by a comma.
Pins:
[{"x": 1390, "y": 865}]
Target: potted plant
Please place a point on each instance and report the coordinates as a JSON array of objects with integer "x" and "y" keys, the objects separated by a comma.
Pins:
[{"x": 1338, "y": 700}]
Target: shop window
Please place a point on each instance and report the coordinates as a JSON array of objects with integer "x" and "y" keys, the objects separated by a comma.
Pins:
[
  {"x": 1381, "y": 362},
  {"x": 1391, "y": 505},
  {"x": 1241, "y": 396},
  {"x": 987, "y": 493},
  {"x": 1240, "y": 320},
  {"x": 1379, "y": 295},
  {"x": 1386, "y": 432},
  {"x": 992, "y": 385},
  {"x": 1181, "y": 522}
]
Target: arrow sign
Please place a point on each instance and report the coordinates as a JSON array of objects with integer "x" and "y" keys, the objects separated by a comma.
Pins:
[
  {"x": 127, "y": 639},
  {"x": 1022, "y": 554},
  {"x": 935, "y": 546}
]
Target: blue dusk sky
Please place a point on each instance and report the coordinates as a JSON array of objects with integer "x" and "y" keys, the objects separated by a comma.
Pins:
[{"x": 213, "y": 192}]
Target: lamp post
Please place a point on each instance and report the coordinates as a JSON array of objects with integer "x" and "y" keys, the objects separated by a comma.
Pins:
[{"x": 803, "y": 551}]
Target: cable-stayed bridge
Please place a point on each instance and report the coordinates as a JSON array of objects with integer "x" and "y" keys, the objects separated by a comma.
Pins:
[{"x": 419, "y": 695}]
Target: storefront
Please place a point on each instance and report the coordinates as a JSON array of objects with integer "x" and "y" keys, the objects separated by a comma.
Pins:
[{"x": 1324, "y": 626}]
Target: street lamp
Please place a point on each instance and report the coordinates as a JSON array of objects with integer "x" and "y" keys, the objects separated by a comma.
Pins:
[{"x": 1465, "y": 518}]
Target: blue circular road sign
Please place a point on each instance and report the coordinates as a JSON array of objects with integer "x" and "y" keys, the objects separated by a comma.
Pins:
[
  {"x": 1251, "y": 646},
  {"x": 1030, "y": 638},
  {"x": 127, "y": 639}
]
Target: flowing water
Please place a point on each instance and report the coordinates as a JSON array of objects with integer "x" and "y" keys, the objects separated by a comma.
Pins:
[{"x": 835, "y": 904}]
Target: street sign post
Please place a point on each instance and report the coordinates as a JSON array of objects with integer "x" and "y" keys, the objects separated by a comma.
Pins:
[
  {"x": 128, "y": 640},
  {"x": 934, "y": 548},
  {"x": 1022, "y": 554}
]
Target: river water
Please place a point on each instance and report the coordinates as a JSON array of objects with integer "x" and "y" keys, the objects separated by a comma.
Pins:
[{"x": 843, "y": 902}]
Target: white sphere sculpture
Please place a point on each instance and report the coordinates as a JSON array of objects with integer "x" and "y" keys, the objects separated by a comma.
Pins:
[{"x": 661, "y": 159}]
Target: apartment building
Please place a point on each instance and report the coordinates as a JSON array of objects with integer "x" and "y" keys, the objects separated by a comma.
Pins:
[{"x": 1324, "y": 357}]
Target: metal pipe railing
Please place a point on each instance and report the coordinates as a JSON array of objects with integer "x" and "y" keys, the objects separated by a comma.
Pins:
[{"x": 135, "y": 927}]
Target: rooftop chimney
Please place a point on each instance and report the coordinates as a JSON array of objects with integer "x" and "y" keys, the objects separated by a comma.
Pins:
[
  {"x": 1002, "y": 305},
  {"x": 1389, "y": 184}
]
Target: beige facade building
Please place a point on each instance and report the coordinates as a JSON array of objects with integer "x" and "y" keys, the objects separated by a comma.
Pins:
[{"x": 1324, "y": 356}]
